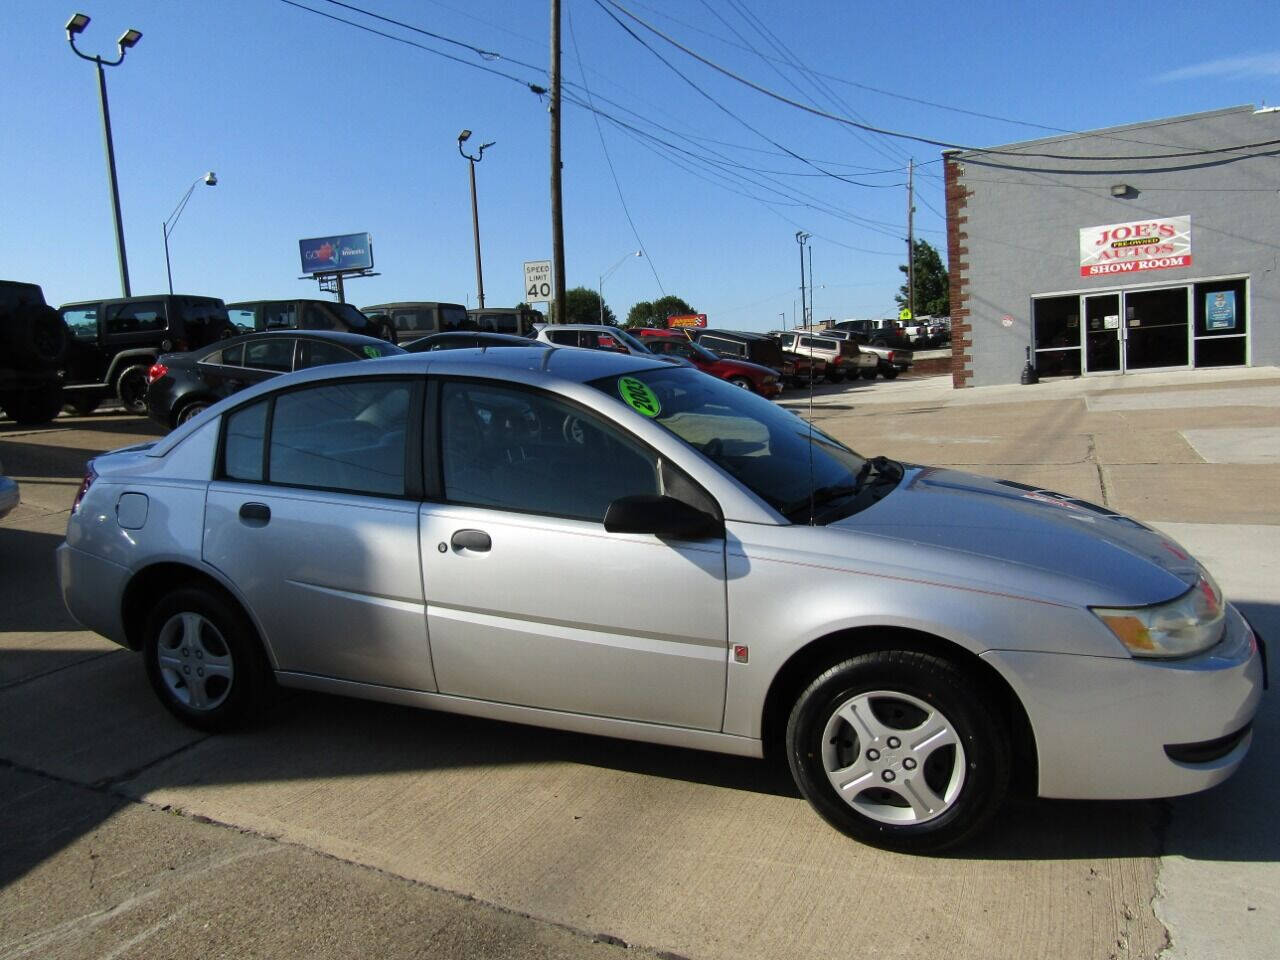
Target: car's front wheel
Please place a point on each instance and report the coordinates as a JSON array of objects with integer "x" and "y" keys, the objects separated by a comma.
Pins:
[
  {"x": 204, "y": 660},
  {"x": 742, "y": 382},
  {"x": 870, "y": 374},
  {"x": 898, "y": 749}
]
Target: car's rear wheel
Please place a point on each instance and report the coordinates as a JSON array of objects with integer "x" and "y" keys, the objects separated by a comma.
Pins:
[
  {"x": 131, "y": 388},
  {"x": 33, "y": 406},
  {"x": 835, "y": 377},
  {"x": 83, "y": 406},
  {"x": 898, "y": 749},
  {"x": 870, "y": 374},
  {"x": 204, "y": 660},
  {"x": 742, "y": 382},
  {"x": 189, "y": 411},
  {"x": 891, "y": 374}
]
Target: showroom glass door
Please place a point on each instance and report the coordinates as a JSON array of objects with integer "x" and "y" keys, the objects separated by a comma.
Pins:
[
  {"x": 1103, "y": 333},
  {"x": 1157, "y": 332}
]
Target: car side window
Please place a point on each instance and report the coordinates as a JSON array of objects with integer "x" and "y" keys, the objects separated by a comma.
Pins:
[
  {"x": 227, "y": 356},
  {"x": 275, "y": 354},
  {"x": 83, "y": 322},
  {"x": 566, "y": 338},
  {"x": 316, "y": 353},
  {"x": 242, "y": 445},
  {"x": 136, "y": 318},
  {"x": 530, "y": 452},
  {"x": 315, "y": 317},
  {"x": 279, "y": 316},
  {"x": 342, "y": 436}
]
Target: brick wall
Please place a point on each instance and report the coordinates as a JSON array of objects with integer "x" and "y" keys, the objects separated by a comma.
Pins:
[{"x": 958, "y": 267}]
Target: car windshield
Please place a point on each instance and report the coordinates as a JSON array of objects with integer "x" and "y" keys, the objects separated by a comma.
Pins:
[{"x": 794, "y": 467}]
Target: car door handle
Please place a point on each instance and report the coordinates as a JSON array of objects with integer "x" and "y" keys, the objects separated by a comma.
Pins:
[
  {"x": 476, "y": 540},
  {"x": 255, "y": 514}
]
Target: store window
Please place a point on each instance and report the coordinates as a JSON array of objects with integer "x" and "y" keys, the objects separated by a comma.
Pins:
[
  {"x": 1056, "y": 323},
  {"x": 1221, "y": 323}
]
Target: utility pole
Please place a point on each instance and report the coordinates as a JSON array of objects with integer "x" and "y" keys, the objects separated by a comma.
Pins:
[
  {"x": 911, "y": 239},
  {"x": 557, "y": 210},
  {"x": 801, "y": 237}
]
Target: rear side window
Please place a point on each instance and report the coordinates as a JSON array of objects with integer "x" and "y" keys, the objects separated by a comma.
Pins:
[
  {"x": 275, "y": 355},
  {"x": 316, "y": 353},
  {"x": 276, "y": 316},
  {"x": 145, "y": 317},
  {"x": 454, "y": 317},
  {"x": 344, "y": 436}
]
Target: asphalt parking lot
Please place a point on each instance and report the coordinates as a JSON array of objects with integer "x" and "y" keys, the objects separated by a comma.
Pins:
[{"x": 343, "y": 828}]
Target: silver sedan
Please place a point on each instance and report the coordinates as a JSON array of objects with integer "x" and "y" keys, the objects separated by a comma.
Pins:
[{"x": 435, "y": 530}]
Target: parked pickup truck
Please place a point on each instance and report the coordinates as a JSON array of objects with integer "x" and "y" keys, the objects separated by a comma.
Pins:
[
  {"x": 843, "y": 357},
  {"x": 890, "y": 361},
  {"x": 876, "y": 333}
]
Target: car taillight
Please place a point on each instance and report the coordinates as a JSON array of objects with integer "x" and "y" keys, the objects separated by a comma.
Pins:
[
  {"x": 90, "y": 475},
  {"x": 156, "y": 371},
  {"x": 890, "y": 356}
]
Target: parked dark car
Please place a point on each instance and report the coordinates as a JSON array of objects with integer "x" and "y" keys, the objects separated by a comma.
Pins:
[
  {"x": 307, "y": 315},
  {"x": 33, "y": 343},
  {"x": 741, "y": 373},
  {"x": 183, "y": 385},
  {"x": 462, "y": 339},
  {"x": 417, "y": 318},
  {"x": 744, "y": 345},
  {"x": 113, "y": 342},
  {"x": 515, "y": 320}
]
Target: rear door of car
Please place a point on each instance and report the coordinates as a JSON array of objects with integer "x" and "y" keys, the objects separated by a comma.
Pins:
[
  {"x": 320, "y": 534},
  {"x": 530, "y": 601}
]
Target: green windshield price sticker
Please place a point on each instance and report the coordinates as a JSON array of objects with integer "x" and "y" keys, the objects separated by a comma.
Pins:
[
  {"x": 639, "y": 397},
  {"x": 372, "y": 353}
]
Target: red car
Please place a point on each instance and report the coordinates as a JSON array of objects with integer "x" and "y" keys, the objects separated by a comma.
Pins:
[
  {"x": 750, "y": 376},
  {"x": 672, "y": 333}
]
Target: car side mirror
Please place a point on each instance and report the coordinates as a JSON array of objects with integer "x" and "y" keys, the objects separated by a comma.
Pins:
[{"x": 664, "y": 517}]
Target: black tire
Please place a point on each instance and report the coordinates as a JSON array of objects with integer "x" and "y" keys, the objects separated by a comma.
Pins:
[
  {"x": 835, "y": 377},
  {"x": 742, "y": 382},
  {"x": 891, "y": 374},
  {"x": 83, "y": 406},
  {"x": 194, "y": 629},
  {"x": 131, "y": 388},
  {"x": 189, "y": 410},
  {"x": 870, "y": 374},
  {"x": 958, "y": 787},
  {"x": 33, "y": 406}
]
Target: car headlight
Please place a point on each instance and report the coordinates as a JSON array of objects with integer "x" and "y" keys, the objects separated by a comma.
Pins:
[{"x": 1187, "y": 625}]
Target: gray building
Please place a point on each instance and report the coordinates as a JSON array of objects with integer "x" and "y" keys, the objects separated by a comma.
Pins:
[{"x": 1154, "y": 246}]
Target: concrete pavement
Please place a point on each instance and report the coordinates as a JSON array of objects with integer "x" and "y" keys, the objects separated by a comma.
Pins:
[{"x": 666, "y": 850}]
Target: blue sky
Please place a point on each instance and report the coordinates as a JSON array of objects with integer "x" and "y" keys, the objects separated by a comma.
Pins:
[{"x": 314, "y": 127}]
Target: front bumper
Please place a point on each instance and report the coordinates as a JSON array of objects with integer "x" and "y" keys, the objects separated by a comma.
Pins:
[{"x": 1102, "y": 725}]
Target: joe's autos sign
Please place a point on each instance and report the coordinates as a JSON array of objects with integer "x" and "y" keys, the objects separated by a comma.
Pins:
[
  {"x": 352, "y": 251},
  {"x": 1134, "y": 247}
]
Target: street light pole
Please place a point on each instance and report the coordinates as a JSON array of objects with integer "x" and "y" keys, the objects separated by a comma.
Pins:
[
  {"x": 608, "y": 273},
  {"x": 463, "y": 137},
  {"x": 211, "y": 179},
  {"x": 128, "y": 39},
  {"x": 801, "y": 237}
]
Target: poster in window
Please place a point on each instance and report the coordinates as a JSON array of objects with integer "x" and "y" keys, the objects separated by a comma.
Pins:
[{"x": 1220, "y": 310}]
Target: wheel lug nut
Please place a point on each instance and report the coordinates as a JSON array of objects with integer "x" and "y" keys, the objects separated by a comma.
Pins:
[
  {"x": 894, "y": 743},
  {"x": 199, "y": 673},
  {"x": 199, "y": 654},
  {"x": 909, "y": 764},
  {"x": 184, "y": 651},
  {"x": 873, "y": 755},
  {"x": 186, "y": 669},
  {"x": 887, "y": 776}
]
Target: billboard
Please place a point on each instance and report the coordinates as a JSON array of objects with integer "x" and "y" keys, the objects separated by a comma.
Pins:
[
  {"x": 1132, "y": 247},
  {"x": 687, "y": 320},
  {"x": 350, "y": 251}
]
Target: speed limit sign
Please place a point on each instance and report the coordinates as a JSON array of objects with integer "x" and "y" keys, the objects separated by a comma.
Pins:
[{"x": 537, "y": 281}]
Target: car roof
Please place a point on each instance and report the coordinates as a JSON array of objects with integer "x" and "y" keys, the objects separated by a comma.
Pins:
[
  {"x": 482, "y": 336},
  {"x": 344, "y": 337},
  {"x": 412, "y": 303},
  {"x": 249, "y": 303},
  {"x": 739, "y": 334},
  {"x": 563, "y": 364}
]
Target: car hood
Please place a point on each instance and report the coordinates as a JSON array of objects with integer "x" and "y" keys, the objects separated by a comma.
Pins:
[{"x": 1029, "y": 538}]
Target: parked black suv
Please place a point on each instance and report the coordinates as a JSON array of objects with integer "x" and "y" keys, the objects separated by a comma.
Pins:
[
  {"x": 307, "y": 315},
  {"x": 33, "y": 342},
  {"x": 518, "y": 321},
  {"x": 113, "y": 342},
  {"x": 412, "y": 319}
]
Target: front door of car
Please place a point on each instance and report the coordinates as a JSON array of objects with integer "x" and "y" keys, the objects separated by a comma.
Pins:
[
  {"x": 531, "y": 601},
  {"x": 321, "y": 536}
]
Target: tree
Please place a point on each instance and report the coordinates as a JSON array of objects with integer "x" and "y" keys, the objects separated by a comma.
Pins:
[
  {"x": 654, "y": 313},
  {"x": 582, "y": 305},
  {"x": 933, "y": 286}
]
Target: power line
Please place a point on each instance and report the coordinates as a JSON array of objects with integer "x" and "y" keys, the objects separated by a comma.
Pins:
[
  {"x": 612, "y": 172},
  {"x": 910, "y": 136}
]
